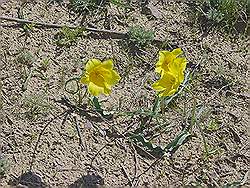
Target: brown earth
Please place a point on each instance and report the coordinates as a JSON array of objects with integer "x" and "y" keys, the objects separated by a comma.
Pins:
[{"x": 38, "y": 134}]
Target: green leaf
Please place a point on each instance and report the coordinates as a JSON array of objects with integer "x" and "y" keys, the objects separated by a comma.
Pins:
[
  {"x": 237, "y": 183},
  {"x": 67, "y": 36},
  {"x": 99, "y": 109},
  {"x": 159, "y": 150},
  {"x": 140, "y": 36},
  {"x": 152, "y": 148},
  {"x": 178, "y": 141},
  {"x": 97, "y": 104}
]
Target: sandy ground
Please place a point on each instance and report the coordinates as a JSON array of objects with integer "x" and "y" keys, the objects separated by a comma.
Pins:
[{"x": 38, "y": 135}]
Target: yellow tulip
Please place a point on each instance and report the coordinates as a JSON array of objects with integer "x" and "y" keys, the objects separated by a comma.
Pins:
[
  {"x": 100, "y": 77},
  {"x": 167, "y": 85},
  {"x": 165, "y": 58},
  {"x": 177, "y": 68},
  {"x": 171, "y": 68}
]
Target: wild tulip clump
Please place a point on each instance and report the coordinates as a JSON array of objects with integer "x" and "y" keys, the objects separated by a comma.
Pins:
[
  {"x": 171, "y": 68},
  {"x": 100, "y": 76}
]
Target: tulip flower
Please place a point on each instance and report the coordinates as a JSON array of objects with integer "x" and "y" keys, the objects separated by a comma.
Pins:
[
  {"x": 171, "y": 68},
  {"x": 167, "y": 85},
  {"x": 165, "y": 58},
  {"x": 100, "y": 77}
]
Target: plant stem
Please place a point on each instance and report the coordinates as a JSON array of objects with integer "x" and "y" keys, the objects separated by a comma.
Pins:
[
  {"x": 193, "y": 122},
  {"x": 193, "y": 118},
  {"x": 155, "y": 108},
  {"x": 203, "y": 139},
  {"x": 156, "y": 105}
]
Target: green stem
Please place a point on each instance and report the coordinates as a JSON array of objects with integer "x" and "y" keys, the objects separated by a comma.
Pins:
[
  {"x": 193, "y": 122},
  {"x": 156, "y": 105},
  {"x": 97, "y": 105},
  {"x": 203, "y": 139},
  {"x": 155, "y": 108},
  {"x": 193, "y": 118}
]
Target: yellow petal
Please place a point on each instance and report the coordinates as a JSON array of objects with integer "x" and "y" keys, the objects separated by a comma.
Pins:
[
  {"x": 157, "y": 86},
  {"x": 174, "y": 67},
  {"x": 165, "y": 58},
  {"x": 167, "y": 93},
  {"x": 177, "y": 67},
  {"x": 159, "y": 70},
  {"x": 171, "y": 69},
  {"x": 107, "y": 75},
  {"x": 162, "y": 57},
  {"x": 107, "y": 90},
  {"x": 115, "y": 78},
  {"x": 182, "y": 63},
  {"x": 166, "y": 83},
  {"x": 96, "y": 78},
  {"x": 110, "y": 76},
  {"x": 85, "y": 79},
  {"x": 91, "y": 64},
  {"x": 100, "y": 77},
  {"x": 177, "y": 52},
  {"x": 94, "y": 89},
  {"x": 108, "y": 64}
]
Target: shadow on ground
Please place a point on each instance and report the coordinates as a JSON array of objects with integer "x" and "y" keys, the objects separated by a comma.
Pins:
[
  {"x": 90, "y": 180},
  {"x": 30, "y": 180}
]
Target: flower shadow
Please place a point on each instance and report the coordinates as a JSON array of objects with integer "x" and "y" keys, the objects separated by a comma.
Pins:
[
  {"x": 217, "y": 82},
  {"x": 29, "y": 179}
]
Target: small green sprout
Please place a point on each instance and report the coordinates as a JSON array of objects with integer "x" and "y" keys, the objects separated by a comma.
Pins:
[
  {"x": 80, "y": 6},
  {"x": 121, "y": 4},
  {"x": 37, "y": 105},
  {"x": 213, "y": 126},
  {"x": 55, "y": 1},
  {"x": 25, "y": 58},
  {"x": 140, "y": 36},
  {"x": 28, "y": 28},
  {"x": 66, "y": 36},
  {"x": 45, "y": 64},
  {"x": 3, "y": 165},
  {"x": 226, "y": 13}
]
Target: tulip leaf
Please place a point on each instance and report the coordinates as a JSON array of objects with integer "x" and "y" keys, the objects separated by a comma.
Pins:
[
  {"x": 97, "y": 104},
  {"x": 178, "y": 141},
  {"x": 238, "y": 183},
  {"x": 159, "y": 151},
  {"x": 99, "y": 109},
  {"x": 152, "y": 148}
]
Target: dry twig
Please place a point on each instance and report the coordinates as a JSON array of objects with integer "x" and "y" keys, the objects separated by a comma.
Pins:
[{"x": 50, "y": 25}]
